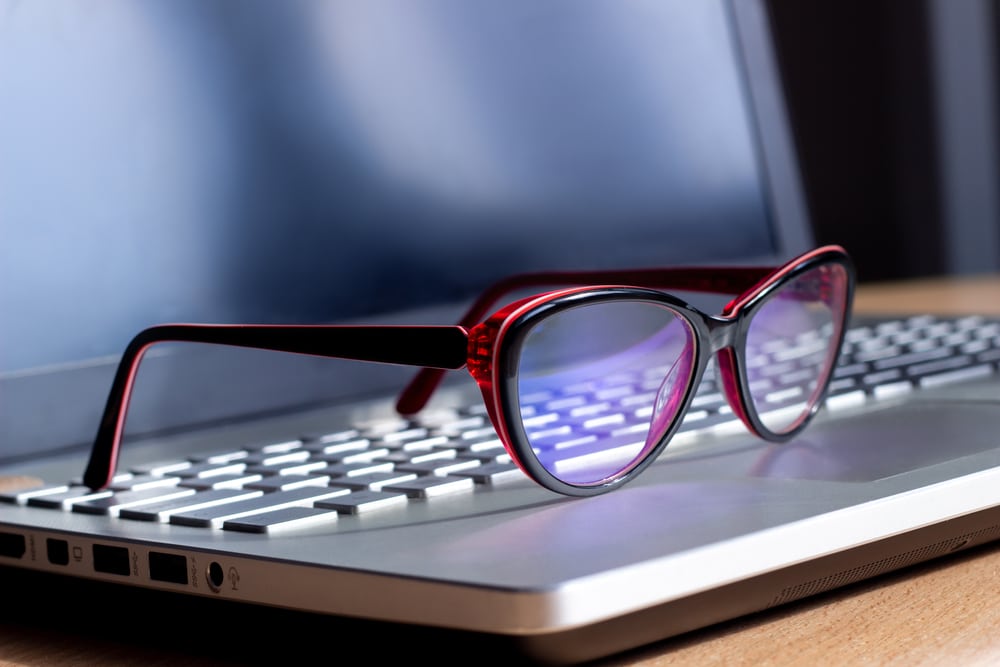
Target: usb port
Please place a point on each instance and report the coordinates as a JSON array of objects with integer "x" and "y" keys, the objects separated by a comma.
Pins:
[
  {"x": 168, "y": 567},
  {"x": 12, "y": 545},
  {"x": 112, "y": 560},
  {"x": 57, "y": 550}
]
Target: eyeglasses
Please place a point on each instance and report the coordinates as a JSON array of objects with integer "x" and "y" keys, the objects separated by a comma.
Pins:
[{"x": 585, "y": 385}]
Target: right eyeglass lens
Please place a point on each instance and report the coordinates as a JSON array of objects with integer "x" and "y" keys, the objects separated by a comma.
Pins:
[
  {"x": 792, "y": 346},
  {"x": 599, "y": 384}
]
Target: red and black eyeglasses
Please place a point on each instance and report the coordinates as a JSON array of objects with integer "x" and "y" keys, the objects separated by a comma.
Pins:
[{"x": 614, "y": 334}]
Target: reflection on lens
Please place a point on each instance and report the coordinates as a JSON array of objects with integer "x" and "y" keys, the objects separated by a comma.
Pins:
[
  {"x": 599, "y": 385},
  {"x": 791, "y": 346}
]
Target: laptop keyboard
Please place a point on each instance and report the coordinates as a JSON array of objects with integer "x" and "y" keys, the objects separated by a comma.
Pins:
[{"x": 315, "y": 478}]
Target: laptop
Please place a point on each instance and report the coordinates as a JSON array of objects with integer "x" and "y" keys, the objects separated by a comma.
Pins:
[{"x": 316, "y": 162}]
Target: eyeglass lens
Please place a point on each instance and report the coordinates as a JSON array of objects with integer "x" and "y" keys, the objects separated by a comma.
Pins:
[
  {"x": 791, "y": 345},
  {"x": 599, "y": 385}
]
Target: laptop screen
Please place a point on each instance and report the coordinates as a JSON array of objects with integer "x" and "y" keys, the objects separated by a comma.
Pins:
[{"x": 302, "y": 162}]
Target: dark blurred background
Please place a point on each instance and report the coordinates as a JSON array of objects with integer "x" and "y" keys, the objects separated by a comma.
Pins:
[{"x": 893, "y": 104}]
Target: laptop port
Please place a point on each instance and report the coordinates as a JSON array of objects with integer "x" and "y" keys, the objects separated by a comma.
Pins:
[
  {"x": 111, "y": 560},
  {"x": 168, "y": 567},
  {"x": 12, "y": 545},
  {"x": 57, "y": 551},
  {"x": 215, "y": 576}
]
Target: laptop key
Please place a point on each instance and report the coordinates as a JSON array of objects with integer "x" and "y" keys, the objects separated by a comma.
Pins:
[
  {"x": 337, "y": 447},
  {"x": 963, "y": 374},
  {"x": 940, "y": 366},
  {"x": 209, "y": 469},
  {"x": 234, "y": 481},
  {"x": 374, "y": 481},
  {"x": 65, "y": 499},
  {"x": 275, "y": 446},
  {"x": 21, "y": 496},
  {"x": 494, "y": 456},
  {"x": 161, "y": 511},
  {"x": 355, "y": 456},
  {"x": 144, "y": 481},
  {"x": 283, "y": 519},
  {"x": 419, "y": 457},
  {"x": 363, "y": 501},
  {"x": 492, "y": 446},
  {"x": 424, "y": 444},
  {"x": 220, "y": 456},
  {"x": 414, "y": 433},
  {"x": 270, "y": 459},
  {"x": 287, "y": 482},
  {"x": 340, "y": 470},
  {"x": 431, "y": 485},
  {"x": 491, "y": 473},
  {"x": 113, "y": 504},
  {"x": 330, "y": 437},
  {"x": 438, "y": 467},
  {"x": 287, "y": 468},
  {"x": 160, "y": 467},
  {"x": 216, "y": 515}
]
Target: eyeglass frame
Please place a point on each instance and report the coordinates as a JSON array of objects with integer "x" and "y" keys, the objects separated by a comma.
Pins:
[{"x": 483, "y": 346}]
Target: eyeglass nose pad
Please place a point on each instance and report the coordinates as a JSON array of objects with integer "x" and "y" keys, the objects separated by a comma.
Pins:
[{"x": 670, "y": 396}]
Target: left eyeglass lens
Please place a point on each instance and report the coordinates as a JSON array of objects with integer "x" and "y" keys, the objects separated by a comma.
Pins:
[
  {"x": 599, "y": 385},
  {"x": 792, "y": 346}
]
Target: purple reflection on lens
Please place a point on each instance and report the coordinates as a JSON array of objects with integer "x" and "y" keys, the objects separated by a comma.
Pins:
[
  {"x": 594, "y": 378},
  {"x": 791, "y": 347}
]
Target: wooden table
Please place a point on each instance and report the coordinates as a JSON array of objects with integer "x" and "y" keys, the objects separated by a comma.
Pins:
[{"x": 944, "y": 612}]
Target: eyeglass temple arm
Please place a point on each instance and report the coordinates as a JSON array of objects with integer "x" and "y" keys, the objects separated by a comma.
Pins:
[
  {"x": 439, "y": 347},
  {"x": 711, "y": 280}
]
